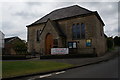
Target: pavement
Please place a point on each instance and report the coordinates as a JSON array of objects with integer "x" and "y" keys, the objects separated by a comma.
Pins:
[
  {"x": 85, "y": 61},
  {"x": 79, "y": 62}
]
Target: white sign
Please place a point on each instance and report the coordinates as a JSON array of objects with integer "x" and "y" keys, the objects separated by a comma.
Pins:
[
  {"x": 74, "y": 45},
  {"x": 59, "y": 51}
]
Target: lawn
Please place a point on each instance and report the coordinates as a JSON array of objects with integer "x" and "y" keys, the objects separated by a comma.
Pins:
[
  {"x": 0, "y": 69},
  {"x": 18, "y": 68}
]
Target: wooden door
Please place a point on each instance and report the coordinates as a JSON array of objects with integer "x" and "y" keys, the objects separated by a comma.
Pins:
[{"x": 48, "y": 43}]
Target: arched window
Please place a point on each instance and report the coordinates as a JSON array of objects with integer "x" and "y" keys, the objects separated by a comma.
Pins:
[
  {"x": 38, "y": 35},
  {"x": 78, "y": 31},
  {"x": 82, "y": 30},
  {"x": 74, "y": 33}
]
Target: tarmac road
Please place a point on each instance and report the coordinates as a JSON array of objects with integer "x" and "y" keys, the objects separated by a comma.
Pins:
[{"x": 107, "y": 69}]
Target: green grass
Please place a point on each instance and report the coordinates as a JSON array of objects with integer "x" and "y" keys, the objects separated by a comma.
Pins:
[
  {"x": 18, "y": 68},
  {"x": 0, "y": 69}
]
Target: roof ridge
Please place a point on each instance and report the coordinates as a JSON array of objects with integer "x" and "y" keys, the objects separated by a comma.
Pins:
[
  {"x": 62, "y": 13},
  {"x": 54, "y": 11},
  {"x": 85, "y": 8},
  {"x": 65, "y": 7},
  {"x": 71, "y": 6}
]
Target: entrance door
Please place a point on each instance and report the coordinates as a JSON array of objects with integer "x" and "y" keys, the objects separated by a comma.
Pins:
[{"x": 49, "y": 43}]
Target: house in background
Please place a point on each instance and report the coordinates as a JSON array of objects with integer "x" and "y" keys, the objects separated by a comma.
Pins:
[
  {"x": 1, "y": 42},
  {"x": 73, "y": 27},
  {"x": 10, "y": 45}
]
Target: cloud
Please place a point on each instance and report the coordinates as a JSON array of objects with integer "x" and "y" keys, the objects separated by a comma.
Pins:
[
  {"x": 108, "y": 11},
  {"x": 0, "y": 17},
  {"x": 16, "y": 15}
]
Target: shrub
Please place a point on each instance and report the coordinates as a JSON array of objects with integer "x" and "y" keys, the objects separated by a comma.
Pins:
[
  {"x": 110, "y": 43},
  {"x": 117, "y": 41},
  {"x": 14, "y": 57},
  {"x": 67, "y": 56}
]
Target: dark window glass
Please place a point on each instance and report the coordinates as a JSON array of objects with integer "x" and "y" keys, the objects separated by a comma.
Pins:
[
  {"x": 78, "y": 31},
  {"x": 82, "y": 31},
  {"x": 55, "y": 42},
  {"x": 70, "y": 45},
  {"x": 38, "y": 35},
  {"x": 74, "y": 33}
]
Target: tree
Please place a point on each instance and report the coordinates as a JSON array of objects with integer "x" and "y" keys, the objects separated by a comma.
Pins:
[
  {"x": 117, "y": 41},
  {"x": 20, "y": 47},
  {"x": 110, "y": 42}
]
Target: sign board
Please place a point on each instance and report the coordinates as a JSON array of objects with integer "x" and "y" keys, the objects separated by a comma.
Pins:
[
  {"x": 88, "y": 43},
  {"x": 59, "y": 51},
  {"x": 72, "y": 44}
]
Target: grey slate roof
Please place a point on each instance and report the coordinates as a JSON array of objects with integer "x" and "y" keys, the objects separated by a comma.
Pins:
[
  {"x": 62, "y": 13},
  {"x": 57, "y": 28}
]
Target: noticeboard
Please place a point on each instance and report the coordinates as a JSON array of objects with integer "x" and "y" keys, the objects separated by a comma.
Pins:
[
  {"x": 72, "y": 44},
  {"x": 88, "y": 42}
]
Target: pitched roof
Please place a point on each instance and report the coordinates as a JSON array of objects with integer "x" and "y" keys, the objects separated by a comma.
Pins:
[
  {"x": 57, "y": 28},
  {"x": 11, "y": 39},
  {"x": 62, "y": 13}
]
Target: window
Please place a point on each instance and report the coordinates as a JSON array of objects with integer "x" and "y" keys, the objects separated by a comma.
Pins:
[
  {"x": 78, "y": 31},
  {"x": 101, "y": 33},
  {"x": 72, "y": 44},
  {"x": 74, "y": 31},
  {"x": 63, "y": 42},
  {"x": 55, "y": 42},
  {"x": 38, "y": 35},
  {"x": 82, "y": 31}
]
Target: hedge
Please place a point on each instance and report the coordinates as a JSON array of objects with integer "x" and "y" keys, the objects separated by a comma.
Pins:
[
  {"x": 67, "y": 56},
  {"x": 14, "y": 57}
]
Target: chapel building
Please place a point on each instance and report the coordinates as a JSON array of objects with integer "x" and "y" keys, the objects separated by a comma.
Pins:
[{"x": 73, "y": 27}]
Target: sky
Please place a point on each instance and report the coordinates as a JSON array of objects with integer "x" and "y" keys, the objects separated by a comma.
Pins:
[{"x": 16, "y": 15}]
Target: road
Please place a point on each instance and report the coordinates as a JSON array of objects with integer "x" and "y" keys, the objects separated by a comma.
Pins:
[{"x": 107, "y": 69}]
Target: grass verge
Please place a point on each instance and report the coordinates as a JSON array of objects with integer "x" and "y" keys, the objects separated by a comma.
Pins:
[{"x": 19, "y": 68}]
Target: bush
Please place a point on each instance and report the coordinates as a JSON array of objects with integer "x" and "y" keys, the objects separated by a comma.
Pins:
[
  {"x": 117, "y": 41},
  {"x": 110, "y": 43},
  {"x": 14, "y": 57},
  {"x": 67, "y": 56},
  {"x": 20, "y": 47}
]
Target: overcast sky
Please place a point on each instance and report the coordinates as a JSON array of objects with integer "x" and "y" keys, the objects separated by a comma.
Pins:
[{"x": 16, "y": 15}]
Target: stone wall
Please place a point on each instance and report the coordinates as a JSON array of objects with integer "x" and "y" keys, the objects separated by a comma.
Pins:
[
  {"x": 101, "y": 44},
  {"x": 90, "y": 24},
  {"x": 93, "y": 31},
  {"x": 31, "y": 36}
]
